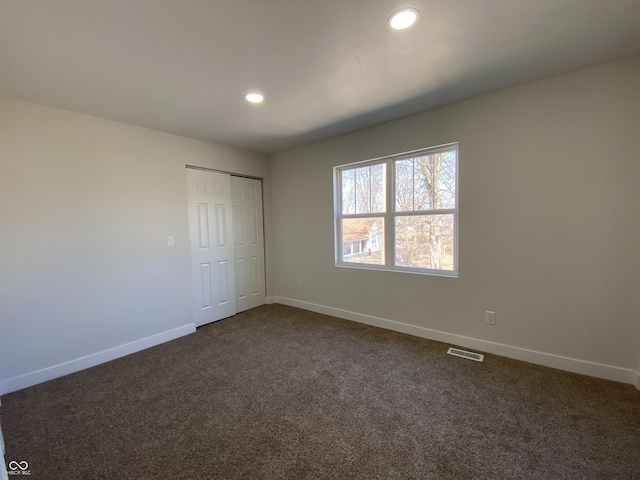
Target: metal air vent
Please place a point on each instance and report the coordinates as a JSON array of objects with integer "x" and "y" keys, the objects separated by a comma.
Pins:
[{"x": 464, "y": 354}]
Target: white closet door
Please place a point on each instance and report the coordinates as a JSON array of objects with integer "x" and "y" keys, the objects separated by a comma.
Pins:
[
  {"x": 248, "y": 235},
  {"x": 211, "y": 239}
]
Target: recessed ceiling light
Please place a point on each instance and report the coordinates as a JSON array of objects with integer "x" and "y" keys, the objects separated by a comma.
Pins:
[
  {"x": 403, "y": 18},
  {"x": 254, "y": 97}
]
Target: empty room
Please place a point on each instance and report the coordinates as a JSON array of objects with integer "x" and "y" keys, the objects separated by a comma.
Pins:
[{"x": 320, "y": 240}]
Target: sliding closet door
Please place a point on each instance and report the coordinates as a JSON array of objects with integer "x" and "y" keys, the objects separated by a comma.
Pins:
[
  {"x": 211, "y": 239},
  {"x": 248, "y": 235}
]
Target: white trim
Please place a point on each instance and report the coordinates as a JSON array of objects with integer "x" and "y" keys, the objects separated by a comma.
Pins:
[
  {"x": 39, "y": 376},
  {"x": 574, "y": 365},
  {"x": 270, "y": 300}
]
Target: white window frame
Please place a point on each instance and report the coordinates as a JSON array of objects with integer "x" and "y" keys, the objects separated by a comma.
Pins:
[{"x": 390, "y": 214}]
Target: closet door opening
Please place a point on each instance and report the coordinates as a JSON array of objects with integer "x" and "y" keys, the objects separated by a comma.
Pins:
[{"x": 226, "y": 237}]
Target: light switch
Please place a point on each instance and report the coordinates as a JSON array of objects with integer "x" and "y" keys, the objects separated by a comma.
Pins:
[{"x": 170, "y": 241}]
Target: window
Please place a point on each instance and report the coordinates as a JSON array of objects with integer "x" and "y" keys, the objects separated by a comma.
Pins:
[{"x": 399, "y": 213}]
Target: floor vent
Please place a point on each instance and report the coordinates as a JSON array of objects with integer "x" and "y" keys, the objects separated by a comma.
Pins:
[{"x": 464, "y": 354}]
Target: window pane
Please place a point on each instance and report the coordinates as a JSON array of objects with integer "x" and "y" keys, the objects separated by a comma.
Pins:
[
  {"x": 447, "y": 180},
  {"x": 363, "y": 189},
  {"x": 423, "y": 182},
  {"x": 404, "y": 185},
  {"x": 425, "y": 241},
  {"x": 378, "y": 188},
  {"x": 426, "y": 182},
  {"x": 363, "y": 240},
  {"x": 348, "y": 192}
]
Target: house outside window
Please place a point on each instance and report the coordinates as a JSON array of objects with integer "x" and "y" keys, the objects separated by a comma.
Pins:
[
  {"x": 362, "y": 238},
  {"x": 399, "y": 213}
]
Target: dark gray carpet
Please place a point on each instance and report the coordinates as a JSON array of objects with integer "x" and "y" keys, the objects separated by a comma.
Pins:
[{"x": 282, "y": 393}]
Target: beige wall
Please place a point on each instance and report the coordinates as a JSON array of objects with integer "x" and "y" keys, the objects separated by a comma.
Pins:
[
  {"x": 549, "y": 224},
  {"x": 85, "y": 208}
]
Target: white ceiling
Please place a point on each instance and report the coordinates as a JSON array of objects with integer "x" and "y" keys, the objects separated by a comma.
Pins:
[{"x": 326, "y": 67}]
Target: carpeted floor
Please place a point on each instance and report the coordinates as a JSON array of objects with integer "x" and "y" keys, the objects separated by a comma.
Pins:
[{"x": 282, "y": 393}]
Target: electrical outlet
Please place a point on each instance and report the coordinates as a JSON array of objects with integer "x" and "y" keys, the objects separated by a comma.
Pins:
[
  {"x": 490, "y": 317},
  {"x": 299, "y": 284},
  {"x": 171, "y": 242}
]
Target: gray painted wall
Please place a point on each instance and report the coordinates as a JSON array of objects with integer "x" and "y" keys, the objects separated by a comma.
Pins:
[
  {"x": 85, "y": 208},
  {"x": 549, "y": 182},
  {"x": 549, "y": 227}
]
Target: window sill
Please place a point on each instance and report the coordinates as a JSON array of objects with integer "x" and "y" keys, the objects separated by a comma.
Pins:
[{"x": 384, "y": 268}]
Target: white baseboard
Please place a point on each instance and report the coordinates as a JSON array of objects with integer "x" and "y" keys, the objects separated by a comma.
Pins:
[
  {"x": 574, "y": 365},
  {"x": 33, "y": 378},
  {"x": 3, "y": 470},
  {"x": 270, "y": 300},
  {"x": 3, "y": 466}
]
